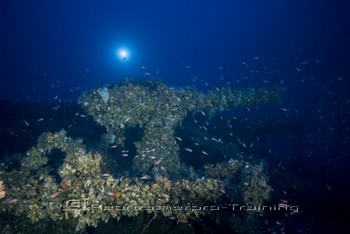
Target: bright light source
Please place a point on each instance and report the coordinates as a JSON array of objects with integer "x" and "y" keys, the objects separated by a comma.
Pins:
[{"x": 123, "y": 54}]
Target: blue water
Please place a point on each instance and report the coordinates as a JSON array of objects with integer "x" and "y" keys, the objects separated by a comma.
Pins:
[{"x": 52, "y": 52}]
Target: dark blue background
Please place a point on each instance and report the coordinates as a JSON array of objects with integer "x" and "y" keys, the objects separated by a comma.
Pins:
[{"x": 73, "y": 44}]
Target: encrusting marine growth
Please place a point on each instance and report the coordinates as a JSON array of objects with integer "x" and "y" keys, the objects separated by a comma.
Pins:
[
  {"x": 85, "y": 195},
  {"x": 2, "y": 189},
  {"x": 158, "y": 109}
]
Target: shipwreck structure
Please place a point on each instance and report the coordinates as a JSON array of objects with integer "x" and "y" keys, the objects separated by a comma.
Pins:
[
  {"x": 82, "y": 194},
  {"x": 158, "y": 109}
]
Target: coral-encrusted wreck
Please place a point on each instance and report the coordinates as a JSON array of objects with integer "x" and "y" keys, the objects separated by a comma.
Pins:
[
  {"x": 158, "y": 109},
  {"x": 81, "y": 194}
]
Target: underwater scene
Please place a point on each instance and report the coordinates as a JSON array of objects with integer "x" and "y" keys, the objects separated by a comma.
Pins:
[{"x": 174, "y": 117}]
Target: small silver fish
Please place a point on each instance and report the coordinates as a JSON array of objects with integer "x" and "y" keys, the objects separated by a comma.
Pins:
[
  {"x": 165, "y": 195},
  {"x": 145, "y": 177},
  {"x": 179, "y": 138},
  {"x": 55, "y": 194},
  {"x": 188, "y": 149},
  {"x": 157, "y": 162}
]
